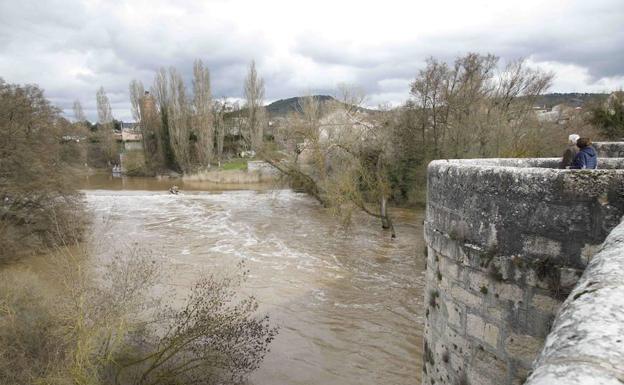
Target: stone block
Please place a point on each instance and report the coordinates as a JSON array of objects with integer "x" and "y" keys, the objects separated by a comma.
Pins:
[
  {"x": 509, "y": 292},
  {"x": 497, "y": 313},
  {"x": 490, "y": 334},
  {"x": 569, "y": 277},
  {"x": 588, "y": 251},
  {"x": 538, "y": 245},
  {"x": 545, "y": 303},
  {"x": 476, "y": 377},
  {"x": 454, "y": 313},
  {"x": 456, "y": 343},
  {"x": 523, "y": 348},
  {"x": 533, "y": 280},
  {"x": 488, "y": 368},
  {"x": 477, "y": 280},
  {"x": 475, "y": 326},
  {"x": 478, "y": 328},
  {"x": 465, "y": 297},
  {"x": 449, "y": 268}
]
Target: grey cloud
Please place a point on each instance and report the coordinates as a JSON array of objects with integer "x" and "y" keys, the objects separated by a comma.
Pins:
[{"x": 42, "y": 42}]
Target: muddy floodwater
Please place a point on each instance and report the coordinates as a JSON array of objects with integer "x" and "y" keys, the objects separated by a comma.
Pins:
[{"x": 348, "y": 301}]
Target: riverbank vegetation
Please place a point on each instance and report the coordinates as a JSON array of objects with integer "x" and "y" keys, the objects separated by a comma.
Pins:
[
  {"x": 94, "y": 322},
  {"x": 609, "y": 117},
  {"x": 348, "y": 156},
  {"x": 39, "y": 207},
  {"x": 109, "y": 325}
]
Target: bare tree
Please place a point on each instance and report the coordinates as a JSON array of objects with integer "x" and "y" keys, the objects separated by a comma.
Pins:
[
  {"x": 151, "y": 132},
  {"x": 105, "y": 113},
  {"x": 203, "y": 119},
  {"x": 39, "y": 205},
  {"x": 178, "y": 123},
  {"x": 472, "y": 109},
  {"x": 219, "y": 108},
  {"x": 339, "y": 157},
  {"x": 79, "y": 114},
  {"x": 136, "y": 93},
  {"x": 254, "y": 104},
  {"x": 160, "y": 90},
  {"x": 105, "y": 126}
]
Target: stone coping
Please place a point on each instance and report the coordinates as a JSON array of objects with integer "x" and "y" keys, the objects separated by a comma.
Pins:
[
  {"x": 586, "y": 343},
  {"x": 524, "y": 163},
  {"x": 526, "y": 207},
  {"x": 609, "y": 149}
]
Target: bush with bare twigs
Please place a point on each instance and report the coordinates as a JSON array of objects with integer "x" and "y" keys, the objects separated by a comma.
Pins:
[
  {"x": 116, "y": 330},
  {"x": 39, "y": 207}
]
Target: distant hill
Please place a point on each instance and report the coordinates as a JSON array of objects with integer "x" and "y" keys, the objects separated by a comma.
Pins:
[
  {"x": 573, "y": 99},
  {"x": 284, "y": 107}
]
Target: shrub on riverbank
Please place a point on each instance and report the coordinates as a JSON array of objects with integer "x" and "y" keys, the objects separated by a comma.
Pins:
[
  {"x": 112, "y": 329},
  {"x": 39, "y": 206},
  {"x": 235, "y": 164}
]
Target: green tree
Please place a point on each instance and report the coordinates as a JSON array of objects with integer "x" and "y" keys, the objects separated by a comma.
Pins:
[{"x": 609, "y": 118}]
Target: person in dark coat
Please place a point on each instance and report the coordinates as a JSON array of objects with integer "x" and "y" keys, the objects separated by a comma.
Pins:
[
  {"x": 586, "y": 158},
  {"x": 570, "y": 152}
]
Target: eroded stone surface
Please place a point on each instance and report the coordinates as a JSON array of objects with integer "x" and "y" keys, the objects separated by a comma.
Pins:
[
  {"x": 609, "y": 149},
  {"x": 586, "y": 344},
  {"x": 507, "y": 239}
]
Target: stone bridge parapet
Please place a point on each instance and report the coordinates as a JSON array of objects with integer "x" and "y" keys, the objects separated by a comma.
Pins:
[
  {"x": 507, "y": 242},
  {"x": 586, "y": 344}
]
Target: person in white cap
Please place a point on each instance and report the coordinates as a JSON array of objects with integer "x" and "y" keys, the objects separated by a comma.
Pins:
[{"x": 570, "y": 152}]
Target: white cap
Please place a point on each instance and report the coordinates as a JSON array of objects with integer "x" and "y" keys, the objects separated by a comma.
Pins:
[{"x": 573, "y": 138}]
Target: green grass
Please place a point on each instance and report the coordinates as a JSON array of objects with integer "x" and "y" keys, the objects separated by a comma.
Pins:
[{"x": 235, "y": 164}]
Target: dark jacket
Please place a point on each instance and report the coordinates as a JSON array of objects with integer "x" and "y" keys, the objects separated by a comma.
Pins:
[
  {"x": 585, "y": 159},
  {"x": 568, "y": 156}
]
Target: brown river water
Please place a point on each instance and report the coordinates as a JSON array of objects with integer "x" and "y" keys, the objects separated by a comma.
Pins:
[{"x": 348, "y": 301}]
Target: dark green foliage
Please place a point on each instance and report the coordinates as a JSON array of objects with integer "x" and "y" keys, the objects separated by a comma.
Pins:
[
  {"x": 433, "y": 296},
  {"x": 488, "y": 255},
  {"x": 495, "y": 274},
  {"x": 428, "y": 356},
  {"x": 549, "y": 271},
  {"x": 609, "y": 117},
  {"x": 581, "y": 293},
  {"x": 484, "y": 290}
]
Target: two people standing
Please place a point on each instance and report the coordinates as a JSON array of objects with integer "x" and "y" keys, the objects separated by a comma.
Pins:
[{"x": 579, "y": 154}]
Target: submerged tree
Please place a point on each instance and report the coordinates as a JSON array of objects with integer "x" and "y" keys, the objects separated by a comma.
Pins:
[{"x": 339, "y": 157}]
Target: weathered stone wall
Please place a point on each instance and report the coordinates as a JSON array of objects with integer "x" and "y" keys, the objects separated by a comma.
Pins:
[
  {"x": 609, "y": 149},
  {"x": 586, "y": 344},
  {"x": 507, "y": 241}
]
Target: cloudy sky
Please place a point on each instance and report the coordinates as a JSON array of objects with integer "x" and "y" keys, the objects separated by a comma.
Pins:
[{"x": 72, "y": 47}]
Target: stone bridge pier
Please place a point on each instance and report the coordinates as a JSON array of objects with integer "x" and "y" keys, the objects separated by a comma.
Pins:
[{"x": 507, "y": 242}]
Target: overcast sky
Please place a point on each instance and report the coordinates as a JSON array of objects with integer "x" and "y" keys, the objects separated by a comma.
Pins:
[{"x": 72, "y": 47}]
